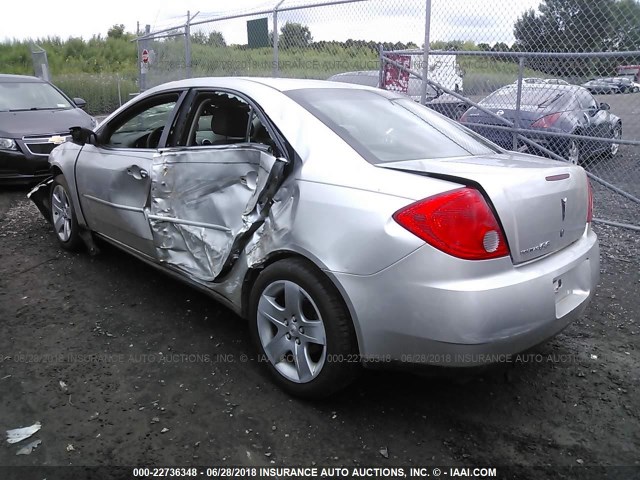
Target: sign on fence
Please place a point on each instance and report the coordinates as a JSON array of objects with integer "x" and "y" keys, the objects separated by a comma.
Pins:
[{"x": 394, "y": 78}]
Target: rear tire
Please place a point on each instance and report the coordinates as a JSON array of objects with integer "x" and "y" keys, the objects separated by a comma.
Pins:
[
  {"x": 63, "y": 215},
  {"x": 302, "y": 329}
]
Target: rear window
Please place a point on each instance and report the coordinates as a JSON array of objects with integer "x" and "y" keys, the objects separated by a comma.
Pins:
[
  {"x": 385, "y": 129},
  {"x": 531, "y": 97}
]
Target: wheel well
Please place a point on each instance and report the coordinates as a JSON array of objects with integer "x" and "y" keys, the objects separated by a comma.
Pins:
[
  {"x": 253, "y": 272},
  {"x": 55, "y": 170}
]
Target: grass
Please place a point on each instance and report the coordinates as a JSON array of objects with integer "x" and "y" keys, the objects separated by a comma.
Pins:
[{"x": 95, "y": 69}]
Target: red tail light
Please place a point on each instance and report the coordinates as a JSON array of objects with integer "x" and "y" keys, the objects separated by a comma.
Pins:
[
  {"x": 546, "y": 122},
  {"x": 590, "y": 202},
  {"x": 459, "y": 223},
  {"x": 464, "y": 117}
]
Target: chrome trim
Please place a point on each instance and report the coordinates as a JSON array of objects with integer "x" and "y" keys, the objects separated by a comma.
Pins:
[
  {"x": 189, "y": 222},
  {"x": 43, "y": 140},
  {"x": 114, "y": 205}
]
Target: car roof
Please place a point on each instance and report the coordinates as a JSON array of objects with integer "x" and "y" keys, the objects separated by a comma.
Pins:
[
  {"x": 547, "y": 86},
  {"x": 280, "y": 84},
  {"x": 8, "y": 78}
]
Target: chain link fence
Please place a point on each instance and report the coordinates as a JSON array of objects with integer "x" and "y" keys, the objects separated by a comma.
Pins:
[{"x": 508, "y": 69}]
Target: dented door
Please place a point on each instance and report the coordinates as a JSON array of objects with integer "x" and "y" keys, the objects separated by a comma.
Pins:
[{"x": 205, "y": 201}]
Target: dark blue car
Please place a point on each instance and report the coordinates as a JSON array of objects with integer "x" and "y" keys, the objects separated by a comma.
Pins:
[{"x": 567, "y": 109}]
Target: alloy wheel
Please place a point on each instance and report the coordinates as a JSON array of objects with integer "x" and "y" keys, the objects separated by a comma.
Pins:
[
  {"x": 61, "y": 212},
  {"x": 291, "y": 331},
  {"x": 573, "y": 153},
  {"x": 617, "y": 134}
]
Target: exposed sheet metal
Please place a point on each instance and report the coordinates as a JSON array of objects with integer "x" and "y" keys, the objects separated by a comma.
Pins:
[
  {"x": 203, "y": 201},
  {"x": 275, "y": 231},
  {"x": 41, "y": 196}
]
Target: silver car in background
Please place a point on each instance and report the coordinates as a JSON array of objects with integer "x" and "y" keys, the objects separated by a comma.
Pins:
[{"x": 347, "y": 224}]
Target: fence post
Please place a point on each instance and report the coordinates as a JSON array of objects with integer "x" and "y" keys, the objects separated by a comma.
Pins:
[
  {"x": 143, "y": 67},
  {"x": 425, "y": 52},
  {"x": 276, "y": 60},
  {"x": 516, "y": 122},
  {"x": 187, "y": 45},
  {"x": 381, "y": 72}
]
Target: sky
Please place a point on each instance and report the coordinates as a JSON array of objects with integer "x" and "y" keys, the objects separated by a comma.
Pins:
[{"x": 486, "y": 21}]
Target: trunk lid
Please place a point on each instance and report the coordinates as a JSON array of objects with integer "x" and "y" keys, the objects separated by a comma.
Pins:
[{"x": 541, "y": 203}]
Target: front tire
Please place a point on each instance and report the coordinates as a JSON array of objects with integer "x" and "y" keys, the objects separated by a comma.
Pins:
[
  {"x": 572, "y": 152},
  {"x": 63, "y": 216},
  {"x": 614, "y": 148},
  {"x": 302, "y": 329}
]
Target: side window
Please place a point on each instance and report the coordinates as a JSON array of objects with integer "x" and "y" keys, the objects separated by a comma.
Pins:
[
  {"x": 218, "y": 119},
  {"x": 587, "y": 101},
  {"x": 225, "y": 119},
  {"x": 142, "y": 125}
]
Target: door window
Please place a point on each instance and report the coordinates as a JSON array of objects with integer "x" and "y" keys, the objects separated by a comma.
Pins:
[
  {"x": 142, "y": 126},
  {"x": 219, "y": 119}
]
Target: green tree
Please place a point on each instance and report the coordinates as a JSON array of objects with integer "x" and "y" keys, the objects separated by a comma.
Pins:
[
  {"x": 199, "y": 37},
  {"x": 626, "y": 31},
  {"x": 295, "y": 35},
  {"x": 567, "y": 26},
  {"x": 578, "y": 26},
  {"x": 216, "y": 39},
  {"x": 116, "y": 31}
]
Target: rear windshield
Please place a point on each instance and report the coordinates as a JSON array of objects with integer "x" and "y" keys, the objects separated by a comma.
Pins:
[
  {"x": 384, "y": 129},
  {"x": 19, "y": 96},
  {"x": 531, "y": 97}
]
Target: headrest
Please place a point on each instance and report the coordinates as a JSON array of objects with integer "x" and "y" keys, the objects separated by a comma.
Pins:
[{"x": 230, "y": 122}]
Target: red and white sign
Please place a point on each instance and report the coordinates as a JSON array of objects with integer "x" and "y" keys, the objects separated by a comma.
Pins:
[
  {"x": 394, "y": 78},
  {"x": 145, "y": 56}
]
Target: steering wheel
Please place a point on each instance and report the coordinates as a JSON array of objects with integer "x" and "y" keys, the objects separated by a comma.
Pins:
[{"x": 154, "y": 137}]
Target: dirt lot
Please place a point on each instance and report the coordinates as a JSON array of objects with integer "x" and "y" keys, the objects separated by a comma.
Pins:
[{"x": 141, "y": 353}]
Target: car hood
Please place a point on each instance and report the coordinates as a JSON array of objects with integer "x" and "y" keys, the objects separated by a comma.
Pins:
[{"x": 42, "y": 122}]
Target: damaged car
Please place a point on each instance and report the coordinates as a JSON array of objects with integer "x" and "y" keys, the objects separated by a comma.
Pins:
[{"x": 349, "y": 225}]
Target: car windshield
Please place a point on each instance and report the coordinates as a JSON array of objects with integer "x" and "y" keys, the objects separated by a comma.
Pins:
[
  {"x": 385, "y": 129},
  {"x": 17, "y": 96},
  {"x": 531, "y": 97}
]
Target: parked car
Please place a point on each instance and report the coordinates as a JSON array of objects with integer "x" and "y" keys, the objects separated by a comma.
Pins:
[
  {"x": 349, "y": 225},
  {"x": 601, "y": 86},
  {"x": 549, "y": 81},
  {"x": 35, "y": 117},
  {"x": 437, "y": 100},
  {"x": 567, "y": 109},
  {"x": 625, "y": 85}
]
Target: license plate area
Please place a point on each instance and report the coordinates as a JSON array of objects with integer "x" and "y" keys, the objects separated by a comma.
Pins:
[{"x": 572, "y": 288}]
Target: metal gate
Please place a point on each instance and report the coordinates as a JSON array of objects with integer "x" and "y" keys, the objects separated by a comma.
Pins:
[{"x": 616, "y": 179}]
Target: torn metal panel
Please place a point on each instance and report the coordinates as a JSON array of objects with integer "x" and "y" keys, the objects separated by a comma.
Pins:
[
  {"x": 41, "y": 196},
  {"x": 275, "y": 231},
  {"x": 203, "y": 201}
]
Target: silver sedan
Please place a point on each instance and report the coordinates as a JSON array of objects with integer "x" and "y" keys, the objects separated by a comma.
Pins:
[{"x": 349, "y": 225}]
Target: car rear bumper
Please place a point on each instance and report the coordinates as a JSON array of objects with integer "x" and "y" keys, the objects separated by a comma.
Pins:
[
  {"x": 16, "y": 167},
  {"x": 430, "y": 308}
]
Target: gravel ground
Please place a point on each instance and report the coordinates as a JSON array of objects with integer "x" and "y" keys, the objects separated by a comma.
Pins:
[{"x": 156, "y": 373}]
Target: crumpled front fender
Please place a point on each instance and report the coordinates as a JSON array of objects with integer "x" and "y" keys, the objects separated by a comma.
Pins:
[{"x": 41, "y": 196}]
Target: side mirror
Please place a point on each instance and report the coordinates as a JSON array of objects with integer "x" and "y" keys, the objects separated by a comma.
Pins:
[
  {"x": 80, "y": 102},
  {"x": 605, "y": 106},
  {"x": 82, "y": 136}
]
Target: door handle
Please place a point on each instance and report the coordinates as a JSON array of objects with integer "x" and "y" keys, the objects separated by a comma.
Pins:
[{"x": 136, "y": 172}]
